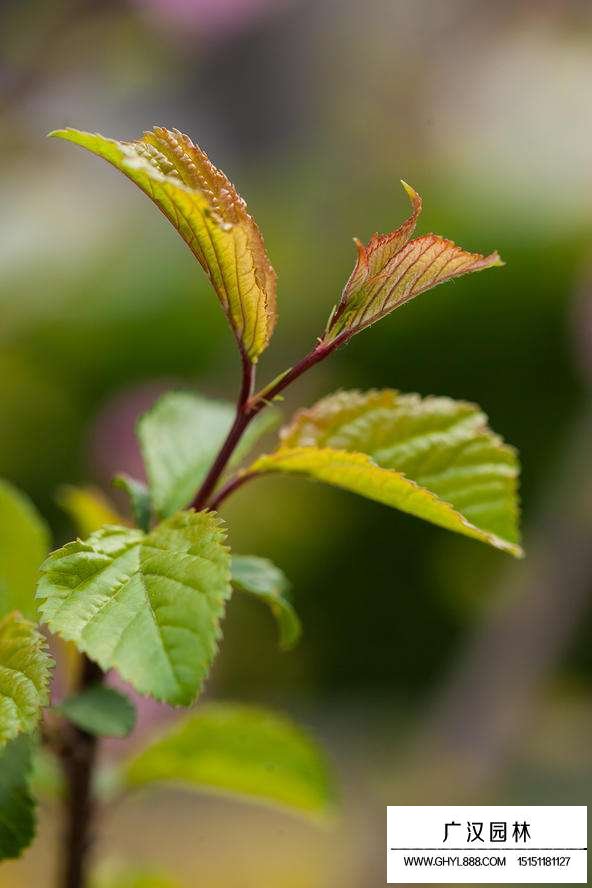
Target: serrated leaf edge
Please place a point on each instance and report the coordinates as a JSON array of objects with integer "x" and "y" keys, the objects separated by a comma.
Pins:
[
  {"x": 103, "y": 663},
  {"x": 265, "y": 465}
]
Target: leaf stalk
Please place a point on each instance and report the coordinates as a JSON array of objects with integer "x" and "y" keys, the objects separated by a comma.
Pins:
[
  {"x": 248, "y": 406},
  {"x": 241, "y": 421}
]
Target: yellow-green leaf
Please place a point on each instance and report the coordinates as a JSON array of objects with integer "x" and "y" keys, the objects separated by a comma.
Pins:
[
  {"x": 88, "y": 507},
  {"x": 24, "y": 543},
  {"x": 433, "y": 457},
  {"x": 392, "y": 269},
  {"x": 112, "y": 876},
  {"x": 240, "y": 750},
  {"x": 204, "y": 207},
  {"x": 25, "y": 668}
]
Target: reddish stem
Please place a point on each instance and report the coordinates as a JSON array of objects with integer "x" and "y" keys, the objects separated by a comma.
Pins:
[
  {"x": 248, "y": 407},
  {"x": 322, "y": 350},
  {"x": 79, "y": 754},
  {"x": 241, "y": 421},
  {"x": 233, "y": 484}
]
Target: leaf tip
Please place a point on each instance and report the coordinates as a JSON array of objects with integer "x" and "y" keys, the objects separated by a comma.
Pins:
[
  {"x": 414, "y": 197},
  {"x": 362, "y": 252},
  {"x": 68, "y": 134}
]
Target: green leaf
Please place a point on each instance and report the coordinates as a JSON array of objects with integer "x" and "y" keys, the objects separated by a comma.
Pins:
[
  {"x": 88, "y": 507},
  {"x": 180, "y": 437},
  {"x": 24, "y": 543},
  {"x": 25, "y": 668},
  {"x": 148, "y": 605},
  {"x": 204, "y": 207},
  {"x": 17, "y": 807},
  {"x": 47, "y": 775},
  {"x": 392, "y": 269},
  {"x": 433, "y": 457},
  {"x": 100, "y": 710},
  {"x": 139, "y": 498},
  {"x": 240, "y": 750},
  {"x": 261, "y": 578}
]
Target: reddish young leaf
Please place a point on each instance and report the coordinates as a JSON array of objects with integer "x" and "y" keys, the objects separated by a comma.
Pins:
[{"x": 392, "y": 269}]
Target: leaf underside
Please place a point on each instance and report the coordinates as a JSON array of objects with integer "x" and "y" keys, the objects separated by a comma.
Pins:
[
  {"x": 204, "y": 207},
  {"x": 433, "y": 457},
  {"x": 139, "y": 499},
  {"x": 100, "y": 710},
  {"x": 392, "y": 269},
  {"x": 17, "y": 807},
  {"x": 24, "y": 543},
  {"x": 262, "y": 579},
  {"x": 149, "y": 605},
  {"x": 243, "y": 751},
  {"x": 25, "y": 668}
]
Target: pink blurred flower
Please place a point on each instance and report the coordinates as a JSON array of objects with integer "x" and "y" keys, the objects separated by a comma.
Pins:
[
  {"x": 214, "y": 17},
  {"x": 151, "y": 717}
]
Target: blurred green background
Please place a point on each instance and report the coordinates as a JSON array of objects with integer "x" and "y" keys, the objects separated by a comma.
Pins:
[{"x": 433, "y": 669}]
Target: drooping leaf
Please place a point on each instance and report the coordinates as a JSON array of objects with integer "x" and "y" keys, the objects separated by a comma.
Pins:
[
  {"x": 180, "y": 437},
  {"x": 88, "y": 507},
  {"x": 24, "y": 543},
  {"x": 100, "y": 710},
  {"x": 148, "y": 605},
  {"x": 204, "y": 207},
  {"x": 25, "y": 667},
  {"x": 261, "y": 578},
  {"x": 139, "y": 496},
  {"x": 17, "y": 807},
  {"x": 392, "y": 269},
  {"x": 240, "y": 750},
  {"x": 433, "y": 457}
]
